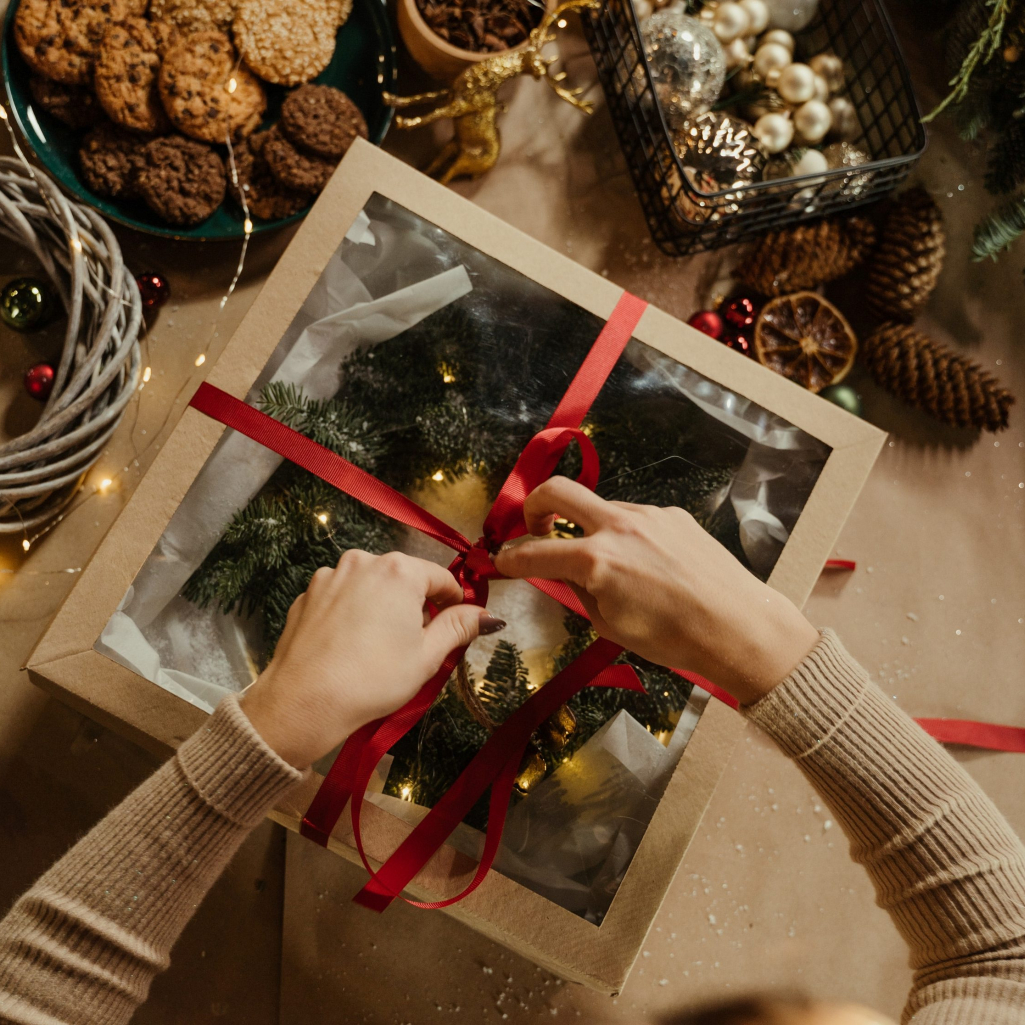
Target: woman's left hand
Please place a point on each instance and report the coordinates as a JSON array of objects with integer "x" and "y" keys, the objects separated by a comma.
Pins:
[{"x": 357, "y": 646}]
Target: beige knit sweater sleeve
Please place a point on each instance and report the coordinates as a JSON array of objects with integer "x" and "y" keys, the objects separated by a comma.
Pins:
[
  {"x": 944, "y": 862},
  {"x": 85, "y": 942}
]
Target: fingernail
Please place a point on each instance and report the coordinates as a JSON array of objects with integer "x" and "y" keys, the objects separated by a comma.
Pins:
[{"x": 489, "y": 624}]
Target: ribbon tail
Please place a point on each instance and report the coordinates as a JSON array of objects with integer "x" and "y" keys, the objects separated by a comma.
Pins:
[{"x": 491, "y": 763}]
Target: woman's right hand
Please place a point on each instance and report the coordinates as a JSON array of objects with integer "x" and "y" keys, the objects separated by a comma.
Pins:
[{"x": 653, "y": 581}]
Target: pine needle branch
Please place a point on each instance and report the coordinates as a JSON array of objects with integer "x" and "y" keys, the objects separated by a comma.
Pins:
[
  {"x": 981, "y": 52},
  {"x": 999, "y": 230}
]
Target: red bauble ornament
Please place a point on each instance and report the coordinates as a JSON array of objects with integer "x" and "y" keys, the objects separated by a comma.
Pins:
[
  {"x": 154, "y": 289},
  {"x": 39, "y": 381},
  {"x": 708, "y": 322},
  {"x": 740, "y": 313},
  {"x": 738, "y": 340}
]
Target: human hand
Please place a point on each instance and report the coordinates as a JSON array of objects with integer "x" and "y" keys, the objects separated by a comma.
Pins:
[
  {"x": 356, "y": 646},
  {"x": 653, "y": 581}
]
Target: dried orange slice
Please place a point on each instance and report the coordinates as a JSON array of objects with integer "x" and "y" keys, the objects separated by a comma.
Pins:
[{"x": 806, "y": 338}]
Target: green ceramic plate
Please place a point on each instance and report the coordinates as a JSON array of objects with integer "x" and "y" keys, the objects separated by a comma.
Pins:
[{"x": 363, "y": 66}]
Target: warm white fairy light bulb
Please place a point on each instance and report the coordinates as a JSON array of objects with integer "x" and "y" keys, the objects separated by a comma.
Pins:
[
  {"x": 439, "y": 476},
  {"x": 26, "y": 544},
  {"x": 147, "y": 374},
  {"x": 322, "y": 517},
  {"x": 200, "y": 360}
]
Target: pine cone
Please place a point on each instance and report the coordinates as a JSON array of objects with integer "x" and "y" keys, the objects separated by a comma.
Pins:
[
  {"x": 806, "y": 255},
  {"x": 932, "y": 378},
  {"x": 908, "y": 259}
]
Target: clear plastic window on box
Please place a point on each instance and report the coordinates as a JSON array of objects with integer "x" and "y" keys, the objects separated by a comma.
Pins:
[{"x": 437, "y": 363}]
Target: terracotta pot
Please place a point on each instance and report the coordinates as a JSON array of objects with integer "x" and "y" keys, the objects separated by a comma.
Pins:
[{"x": 438, "y": 58}]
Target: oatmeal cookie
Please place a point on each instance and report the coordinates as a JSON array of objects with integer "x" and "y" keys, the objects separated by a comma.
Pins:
[
  {"x": 181, "y": 180},
  {"x": 59, "y": 38},
  {"x": 194, "y": 15},
  {"x": 125, "y": 76},
  {"x": 322, "y": 119},
  {"x": 72, "y": 105},
  {"x": 286, "y": 43},
  {"x": 265, "y": 197},
  {"x": 293, "y": 167},
  {"x": 205, "y": 93},
  {"x": 110, "y": 157}
]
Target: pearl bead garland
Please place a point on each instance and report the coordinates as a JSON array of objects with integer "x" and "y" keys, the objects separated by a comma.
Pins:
[
  {"x": 812, "y": 120},
  {"x": 774, "y": 131},
  {"x": 796, "y": 83}
]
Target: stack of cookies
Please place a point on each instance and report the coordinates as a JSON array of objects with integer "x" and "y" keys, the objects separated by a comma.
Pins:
[{"x": 172, "y": 94}]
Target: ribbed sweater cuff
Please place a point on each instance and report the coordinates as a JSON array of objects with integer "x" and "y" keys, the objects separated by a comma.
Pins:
[
  {"x": 232, "y": 767},
  {"x": 814, "y": 701}
]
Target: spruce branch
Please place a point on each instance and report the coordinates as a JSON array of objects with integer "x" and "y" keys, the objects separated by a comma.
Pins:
[
  {"x": 981, "y": 52},
  {"x": 999, "y": 230}
]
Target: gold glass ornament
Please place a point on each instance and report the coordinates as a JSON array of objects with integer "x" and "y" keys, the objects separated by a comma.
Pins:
[
  {"x": 556, "y": 730},
  {"x": 717, "y": 151},
  {"x": 532, "y": 770}
]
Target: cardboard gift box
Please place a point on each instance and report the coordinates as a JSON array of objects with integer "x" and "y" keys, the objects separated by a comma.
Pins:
[{"x": 589, "y": 855}]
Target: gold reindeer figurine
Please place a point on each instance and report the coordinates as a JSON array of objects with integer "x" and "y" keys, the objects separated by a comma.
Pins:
[{"x": 472, "y": 102}]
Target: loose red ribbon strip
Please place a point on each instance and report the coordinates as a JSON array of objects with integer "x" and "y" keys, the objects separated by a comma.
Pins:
[{"x": 497, "y": 763}]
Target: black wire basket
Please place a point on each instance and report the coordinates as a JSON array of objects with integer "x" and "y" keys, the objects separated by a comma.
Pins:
[{"x": 684, "y": 220}]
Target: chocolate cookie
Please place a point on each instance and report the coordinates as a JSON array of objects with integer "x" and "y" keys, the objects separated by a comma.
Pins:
[
  {"x": 194, "y": 15},
  {"x": 286, "y": 43},
  {"x": 256, "y": 188},
  {"x": 59, "y": 38},
  {"x": 72, "y": 105},
  {"x": 205, "y": 93},
  {"x": 294, "y": 167},
  {"x": 125, "y": 76},
  {"x": 182, "y": 181},
  {"x": 110, "y": 157},
  {"x": 322, "y": 119}
]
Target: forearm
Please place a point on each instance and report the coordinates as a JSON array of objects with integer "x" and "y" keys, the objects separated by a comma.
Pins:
[
  {"x": 944, "y": 862},
  {"x": 84, "y": 943}
]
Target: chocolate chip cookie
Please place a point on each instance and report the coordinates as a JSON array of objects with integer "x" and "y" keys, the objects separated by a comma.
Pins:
[
  {"x": 110, "y": 157},
  {"x": 286, "y": 43},
  {"x": 72, "y": 105},
  {"x": 294, "y": 167},
  {"x": 59, "y": 38},
  {"x": 206, "y": 95},
  {"x": 181, "y": 180},
  {"x": 322, "y": 120},
  {"x": 257, "y": 189},
  {"x": 125, "y": 76}
]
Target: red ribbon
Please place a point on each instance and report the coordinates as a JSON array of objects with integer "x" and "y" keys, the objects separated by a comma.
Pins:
[{"x": 497, "y": 763}]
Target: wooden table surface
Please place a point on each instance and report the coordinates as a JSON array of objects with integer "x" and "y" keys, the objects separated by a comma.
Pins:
[{"x": 766, "y": 898}]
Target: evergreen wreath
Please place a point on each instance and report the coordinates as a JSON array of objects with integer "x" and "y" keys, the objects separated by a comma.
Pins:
[{"x": 431, "y": 401}]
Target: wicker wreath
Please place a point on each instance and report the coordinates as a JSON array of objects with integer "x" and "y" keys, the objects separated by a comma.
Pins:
[{"x": 41, "y": 470}]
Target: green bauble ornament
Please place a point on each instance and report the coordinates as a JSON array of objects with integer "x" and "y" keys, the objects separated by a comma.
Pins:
[
  {"x": 25, "y": 303},
  {"x": 844, "y": 396}
]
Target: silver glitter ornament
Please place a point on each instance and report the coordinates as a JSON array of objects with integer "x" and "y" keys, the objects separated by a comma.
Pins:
[
  {"x": 687, "y": 64},
  {"x": 843, "y": 154}
]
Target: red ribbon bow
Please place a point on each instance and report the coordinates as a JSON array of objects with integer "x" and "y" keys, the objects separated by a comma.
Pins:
[{"x": 497, "y": 763}]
